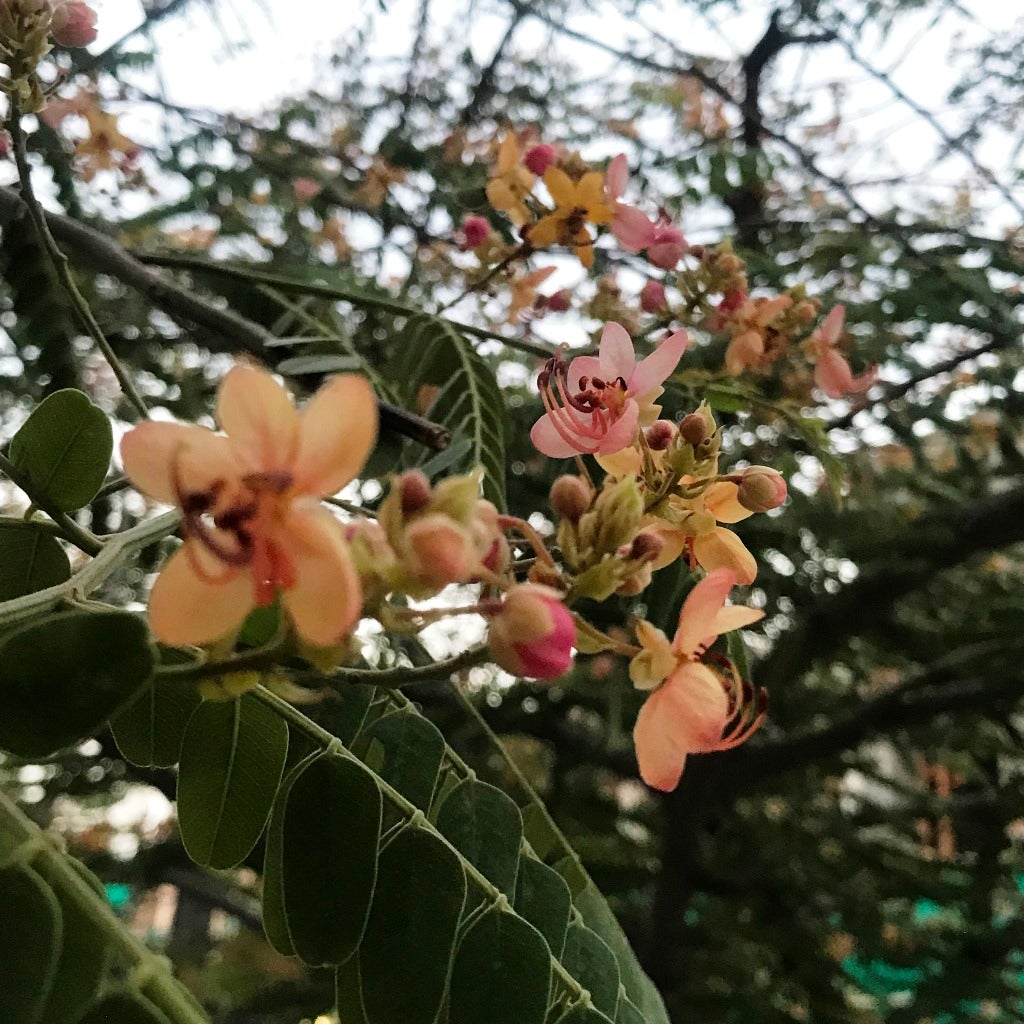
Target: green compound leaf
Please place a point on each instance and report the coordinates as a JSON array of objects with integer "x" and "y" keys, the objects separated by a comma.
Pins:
[
  {"x": 406, "y": 954},
  {"x": 64, "y": 449},
  {"x": 150, "y": 730},
  {"x": 469, "y": 402},
  {"x": 542, "y": 898},
  {"x": 232, "y": 760},
  {"x": 485, "y": 826},
  {"x": 589, "y": 960},
  {"x": 502, "y": 973},
  {"x": 31, "y": 928},
  {"x": 84, "y": 955},
  {"x": 63, "y": 677},
  {"x": 30, "y": 560},
  {"x": 412, "y": 749},
  {"x": 331, "y": 830},
  {"x": 124, "y": 1008},
  {"x": 598, "y": 916}
]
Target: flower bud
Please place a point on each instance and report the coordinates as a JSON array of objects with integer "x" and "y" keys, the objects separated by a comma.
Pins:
[
  {"x": 533, "y": 633},
  {"x": 646, "y": 546},
  {"x": 414, "y": 488},
  {"x": 305, "y": 189},
  {"x": 693, "y": 428},
  {"x": 570, "y": 497},
  {"x": 659, "y": 435},
  {"x": 474, "y": 232},
  {"x": 74, "y": 23},
  {"x": 560, "y": 301},
  {"x": 439, "y": 551},
  {"x": 539, "y": 158},
  {"x": 761, "y": 488},
  {"x": 652, "y": 297}
]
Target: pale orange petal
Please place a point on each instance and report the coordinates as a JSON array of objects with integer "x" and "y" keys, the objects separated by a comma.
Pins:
[
  {"x": 721, "y": 501},
  {"x": 544, "y": 232},
  {"x": 722, "y": 549},
  {"x": 700, "y": 610},
  {"x": 186, "y": 610},
  {"x": 659, "y": 754},
  {"x": 150, "y": 450},
  {"x": 337, "y": 431},
  {"x": 736, "y": 616},
  {"x": 259, "y": 415},
  {"x": 561, "y": 187},
  {"x": 508, "y": 153},
  {"x": 326, "y": 599},
  {"x": 699, "y": 702}
]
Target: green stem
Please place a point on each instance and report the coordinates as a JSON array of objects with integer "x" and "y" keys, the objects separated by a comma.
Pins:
[
  {"x": 83, "y": 539},
  {"x": 61, "y": 267},
  {"x": 159, "y": 985},
  {"x": 110, "y": 558}
]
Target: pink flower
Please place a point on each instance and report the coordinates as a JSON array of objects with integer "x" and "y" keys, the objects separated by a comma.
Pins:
[
  {"x": 74, "y": 23},
  {"x": 652, "y": 297},
  {"x": 634, "y": 230},
  {"x": 693, "y": 709},
  {"x": 533, "y": 633},
  {"x": 250, "y": 499},
  {"x": 306, "y": 189},
  {"x": 474, "y": 232},
  {"x": 832, "y": 372},
  {"x": 604, "y": 398},
  {"x": 539, "y": 158}
]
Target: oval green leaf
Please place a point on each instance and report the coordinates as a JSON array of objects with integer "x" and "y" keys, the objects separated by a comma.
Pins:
[
  {"x": 150, "y": 730},
  {"x": 589, "y": 960},
  {"x": 64, "y": 449},
  {"x": 347, "y": 1001},
  {"x": 63, "y": 677},
  {"x": 413, "y": 750},
  {"x": 232, "y": 760},
  {"x": 124, "y": 1008},
  {"x": 31, "y": 927},
  {"x": 485, "y": 826},
  {"x": 583, "y": 1015},
  {"x": 30, "y": 560},
  {"x": 406, "y": 955},
  {"x": 332, "y": 822},
  {"x": 627, "y": 1013},
  {"x": 502, "y": 973},
  {"x": 542, "y": 898},
  {"x": 345, "y": 712}
]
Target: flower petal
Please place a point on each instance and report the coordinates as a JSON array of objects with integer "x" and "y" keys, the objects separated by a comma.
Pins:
[
  {"x": 618, "y": 358},
  {"x": 659, "y": 753},
  {"x": 258, "y": 414},
  {"x": 187, "y": 610},
  {"x": 622, "y": 433},
  {"x": 326, "y": 599},
  {"x": 744, "y": 350},
  {"x": 658, "y": 366},
  {"x": 617, "y": 177},
  {"x": 700, "y": 610},
  {"x": 831, "y": 329},
  {"x": 701, "y": 705},
  {"x": 150, "y": 450},
  {"x": 545, "y": 231},
  {"x": 582, "y": 366},
  {"x": 337, "y": 431},
  {"x": 548, "y": 441},
  {"x": 632, "y": 228},
  {"x": 722, "y": 549},
  {"x": 832, "y": 374},
  {"x": 561, "y": 187},
  {"x": 721, "y": 501},
  {"x": 735, "y": 616}
]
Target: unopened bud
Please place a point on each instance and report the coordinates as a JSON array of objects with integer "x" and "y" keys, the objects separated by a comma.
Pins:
[
  {"x": 560, "y": 301},
  {"x": 693, "y": 428},
  {"x": 659, "y": 435},
  {"x": 74, "y": 23},
  {"x": 646, "y": 546},
  {"x": 414, "y": 488},
  {"x": 474, "y": 232},
  {"x": 760, "y": 489},
  {"x": 533, "y": 633},
  {"x": 539, "y": 158},
  {"x": 652, "y": 297},
  {"x": 570, "y": 497}
]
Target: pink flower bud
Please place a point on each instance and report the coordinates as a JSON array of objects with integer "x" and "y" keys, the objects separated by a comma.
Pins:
[
  {"x": 474, "y": 232},
  {"x": 74, "y": 23},
  {"x": 652, "y": 297},
  {"x": 659, "y": 435},
  {"x": 533, "y": 633},
  {"x": 439, "y": 551},
  {"x": 570, "y": 497},
  {"x": 415, "y": 490},
  {"x": 539, "y": 158},
  {"x": 5, "y": 144},
  {"x": 761, "y": 489},
  {"x": 646, "y": 546},
  {"x": 560, "y": 301},
  {"x": 667, "y": 247},
  {"x": 305, "y": 189}
]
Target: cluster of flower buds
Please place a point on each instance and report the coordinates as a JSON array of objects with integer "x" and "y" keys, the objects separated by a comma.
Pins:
[{"x": 28, "y": 30}]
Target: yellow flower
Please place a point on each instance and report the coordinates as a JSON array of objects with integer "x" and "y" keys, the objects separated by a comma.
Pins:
[
  {"x": 508, "y": 189},
  {"x": 576, "y": 203},
  {"x": 106, "y": 148}
]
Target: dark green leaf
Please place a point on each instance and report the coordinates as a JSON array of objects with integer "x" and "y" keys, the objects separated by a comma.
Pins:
[
  {"x": 150, "y": 730},
  {"x": 63, "y": 677},
  {"x": 327, "y": 362},
  {"x": 502, "y": 973},
  {"x": 64, "y": 449},
  {"x": 589, "y": 960},
  {"x": 583, "y": 1015},
  {"x": 406, "y": 955},
  {"x": 347, "y": 999},
  {"x": 332, "y": 822},
  {"x": 124, "y": 1008},
  {"x": 31, "y": 927},
  {"x": 542, "y": 898},
  {"x": 30, "y": 560},
  {"x": 413, "y": 749},
  {"x": 485, "y": 826},
  {"x": 346, "y": 711},
  {"x": 232, "y": 759},
  {"x": 627, "y": 1013}
]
